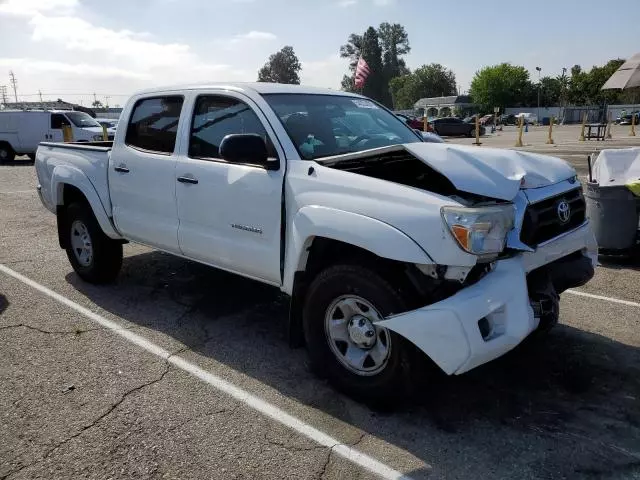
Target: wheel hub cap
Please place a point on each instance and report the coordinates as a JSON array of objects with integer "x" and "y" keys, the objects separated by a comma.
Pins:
[
  {"x": 354, "y": 337},
  {"x": 81, "y": 243},
  {"x": 361, "y": 331}
]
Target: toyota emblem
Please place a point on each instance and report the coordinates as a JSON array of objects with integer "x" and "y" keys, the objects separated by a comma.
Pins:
[{"x": 564, "y": 211}]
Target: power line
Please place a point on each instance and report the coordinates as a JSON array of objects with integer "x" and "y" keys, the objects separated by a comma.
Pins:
[{"x": 14, "y": 84}]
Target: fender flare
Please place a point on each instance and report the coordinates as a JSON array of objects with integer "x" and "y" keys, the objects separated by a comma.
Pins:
[
  {"x": 69, "y": 175},
  {"x": 368, "y": 233}
]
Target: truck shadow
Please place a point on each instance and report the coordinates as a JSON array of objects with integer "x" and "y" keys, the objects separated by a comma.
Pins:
[{"x": 560, "y": 407}]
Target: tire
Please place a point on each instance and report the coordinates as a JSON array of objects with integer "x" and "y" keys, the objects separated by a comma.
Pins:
[
  {"x": 100, "y": 261},
  {"x": 32, "y": 156},
  {"x": 382, "y": 387},
  {"x": 6, "y": 153}
]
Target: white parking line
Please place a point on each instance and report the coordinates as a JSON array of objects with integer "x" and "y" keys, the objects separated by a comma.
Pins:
[
  {"x": 258, "y": 404},
  {"x": 18, "y": 191},
  {"x": 601, "y": 297}
]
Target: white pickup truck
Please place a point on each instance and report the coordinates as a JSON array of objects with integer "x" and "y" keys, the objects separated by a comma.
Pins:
[{"x": 388, "y": 246}]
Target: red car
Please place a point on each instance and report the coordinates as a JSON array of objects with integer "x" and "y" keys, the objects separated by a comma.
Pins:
[{"x": 413, "y": 122}]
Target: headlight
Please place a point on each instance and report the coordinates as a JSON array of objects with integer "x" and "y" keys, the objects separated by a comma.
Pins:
[
  {"x": 98, "y": 138},
  {"x": 481, "y": 231}
]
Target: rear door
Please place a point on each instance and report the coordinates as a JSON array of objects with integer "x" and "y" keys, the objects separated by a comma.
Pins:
[
  {"x": 142, "y": 180},
  {"x": 229, "y": 213}
]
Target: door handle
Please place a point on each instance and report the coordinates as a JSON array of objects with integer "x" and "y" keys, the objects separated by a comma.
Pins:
[
  {"x": 191, "y": 180},
  {"x": 121, "y": 168}
]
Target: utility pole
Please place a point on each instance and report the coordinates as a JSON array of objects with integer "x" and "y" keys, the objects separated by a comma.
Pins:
[
  {"x": 539, "y": 85},
  {"x": 40, "y": 94},
  {"x": 95, "y": 98},
  {"x": 14, "y": 84},
  {"x": 3, "y": 94},
  {"x": 106, "y": 101}
]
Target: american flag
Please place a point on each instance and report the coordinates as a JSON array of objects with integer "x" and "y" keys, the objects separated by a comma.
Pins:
[{"x": 362, "y": 72}]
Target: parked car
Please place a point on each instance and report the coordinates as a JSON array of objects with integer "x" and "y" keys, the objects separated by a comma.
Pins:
[
  {"x": 529, "y": 118},
  {"x": 388, "y": 246},
  {"x": 627, "y": 119},
  {"x": 22, "y": 130},
  {"x": 413, "y": 122},
  {"x": 110, "y": 123},
  {"x": 452, "y": 127},
  {"x": 507, "y": 119}
]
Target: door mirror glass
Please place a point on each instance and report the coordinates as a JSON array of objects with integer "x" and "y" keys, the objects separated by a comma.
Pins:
[{"x": 247, "y": 148}]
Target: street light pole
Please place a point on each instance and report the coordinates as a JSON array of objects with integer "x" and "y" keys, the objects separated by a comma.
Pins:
[{"x": 539, "y": 70}]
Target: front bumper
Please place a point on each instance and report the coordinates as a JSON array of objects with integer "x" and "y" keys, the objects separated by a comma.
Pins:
[{"x": 487, "y": 319}]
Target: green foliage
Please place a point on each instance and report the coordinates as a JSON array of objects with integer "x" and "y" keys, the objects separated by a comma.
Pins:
[
  {"x": 282, "y": 67},
  {"x": 585, "y": 87},
  {"x": 382, "y": 49},
  {"x": 503, "y": 85},
  {"x": 432, "y": 80}
]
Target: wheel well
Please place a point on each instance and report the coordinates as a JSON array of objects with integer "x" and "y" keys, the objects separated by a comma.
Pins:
[
  {"x": 324, "y": 252},
  {"x": 70, "y": 194}
]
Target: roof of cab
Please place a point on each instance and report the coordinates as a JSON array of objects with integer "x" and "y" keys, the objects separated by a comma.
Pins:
[{"x": 257, "y": 87}]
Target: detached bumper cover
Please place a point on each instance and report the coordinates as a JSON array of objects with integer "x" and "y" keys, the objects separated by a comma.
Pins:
[{"x": 448, "y": 331}]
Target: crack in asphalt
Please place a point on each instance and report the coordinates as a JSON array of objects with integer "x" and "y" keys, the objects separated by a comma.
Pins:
[
  {"x": 76, "y": 331},
  {"x": 330, "y": 452},
  {"x": 92, "y": 424}
]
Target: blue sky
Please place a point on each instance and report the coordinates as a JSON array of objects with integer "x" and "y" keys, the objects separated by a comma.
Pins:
[{"x": 71, "y": 48}]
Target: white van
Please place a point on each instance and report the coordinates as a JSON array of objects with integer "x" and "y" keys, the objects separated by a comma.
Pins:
[{"x": 22, "y": 130}]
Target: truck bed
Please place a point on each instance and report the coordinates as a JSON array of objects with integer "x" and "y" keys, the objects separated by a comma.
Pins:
[{"x": 56, "y": 161}]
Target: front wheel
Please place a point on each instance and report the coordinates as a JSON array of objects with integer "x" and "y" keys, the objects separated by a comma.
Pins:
[
  {"x": 343, "y": 307},
  {"x": 95, "y": 257}
]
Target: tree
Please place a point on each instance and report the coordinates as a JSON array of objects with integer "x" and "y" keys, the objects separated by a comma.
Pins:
[
  {"x": 550, "y": 91},
  {"x": 503, "y": 85},
  {"x": 431, "y": 80},
  {"x": 282, "y": 67},
  {"x": 585, "y": 86},
  {"x": 376, "y": 86},
  {"x": 394, "y": 42},
  {"x": 382, "y": 49},
  {"x": 97, "y": 104}
]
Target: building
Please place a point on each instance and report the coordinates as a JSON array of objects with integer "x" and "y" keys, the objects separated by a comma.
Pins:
[{"x": 445, "y": 106}]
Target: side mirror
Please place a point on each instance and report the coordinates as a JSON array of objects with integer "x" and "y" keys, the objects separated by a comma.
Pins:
[{"x": 247, "y": 148}]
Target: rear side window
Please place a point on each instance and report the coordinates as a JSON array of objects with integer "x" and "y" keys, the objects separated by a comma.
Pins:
[
  {"x": 154, "y": 124},
  {"x": 58, "y": 120},
  {"x": 214, "y": 118}
]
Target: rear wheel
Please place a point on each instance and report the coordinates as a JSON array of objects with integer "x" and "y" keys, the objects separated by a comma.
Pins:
[
  {"x": 95, "y": 257},
  {"x": 343, "y": 307},
  {"x": 6, "y": 153}
]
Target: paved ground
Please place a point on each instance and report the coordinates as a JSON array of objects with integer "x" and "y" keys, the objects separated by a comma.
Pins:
[{"x": 78, "y": 400}]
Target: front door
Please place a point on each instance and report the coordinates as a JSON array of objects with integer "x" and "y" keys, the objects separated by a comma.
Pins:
[
  {"x": 229, "y": 213},
  {"x": 142, "y": 173}
]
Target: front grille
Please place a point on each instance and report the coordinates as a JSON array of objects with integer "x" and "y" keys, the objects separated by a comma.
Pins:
[{"x": 542, "y": 221}]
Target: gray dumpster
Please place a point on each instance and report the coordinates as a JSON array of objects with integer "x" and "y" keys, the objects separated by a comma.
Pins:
[{"x": 613, "y": 212}]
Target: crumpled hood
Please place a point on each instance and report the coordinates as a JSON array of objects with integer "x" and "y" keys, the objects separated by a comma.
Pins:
[{"x": 491, "y": 172}]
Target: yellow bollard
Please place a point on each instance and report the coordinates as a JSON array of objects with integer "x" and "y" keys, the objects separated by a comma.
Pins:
[
  {"x": 426, "y": 122},
  {"x": 584, "y": 121},
  {"x": 550, "y": 139},
  {"x": 633, "y": 125},
  {"x": 477, "y": 142},
  {"x": 105, "y": 136},
  {"x": 67, "y": 133},
  {"x": 608, "y": 135},
  {"x": 520, "y": 126}
]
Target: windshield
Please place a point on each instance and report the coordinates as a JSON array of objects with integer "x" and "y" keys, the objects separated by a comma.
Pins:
[
  {"x": 325, "y": 125},
  {"x": 81, "y": 119}
]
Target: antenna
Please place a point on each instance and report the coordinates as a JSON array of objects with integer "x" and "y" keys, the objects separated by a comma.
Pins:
[{"x": 14, "y": 84}]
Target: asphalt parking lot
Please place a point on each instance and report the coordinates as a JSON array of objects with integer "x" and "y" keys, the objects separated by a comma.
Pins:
[{"x": 180, "y": 371}]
